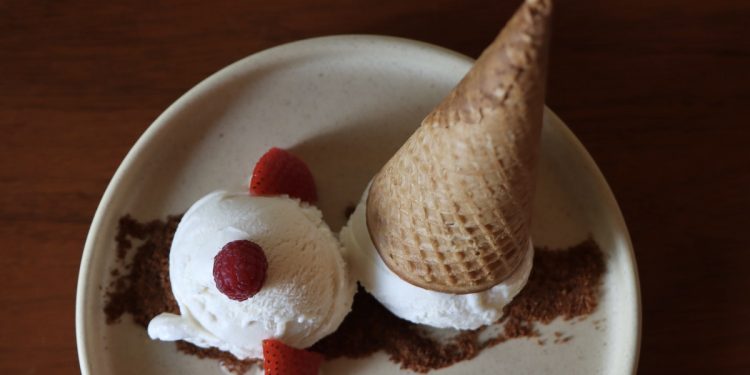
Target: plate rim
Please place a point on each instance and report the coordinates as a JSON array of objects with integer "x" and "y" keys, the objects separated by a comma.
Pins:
[{"x": 158, "y": 126}]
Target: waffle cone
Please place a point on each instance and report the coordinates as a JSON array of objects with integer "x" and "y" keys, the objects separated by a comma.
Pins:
[{"x": 451, "y": 210}]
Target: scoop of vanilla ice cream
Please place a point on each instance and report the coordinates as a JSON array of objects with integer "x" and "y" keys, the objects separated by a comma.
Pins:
[
  {"x": 306, "y": 294},
  {"x": 418, "y": 305}
]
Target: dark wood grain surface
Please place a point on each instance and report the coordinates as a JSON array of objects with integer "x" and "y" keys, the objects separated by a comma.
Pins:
[{"x": 658, "y": 91}]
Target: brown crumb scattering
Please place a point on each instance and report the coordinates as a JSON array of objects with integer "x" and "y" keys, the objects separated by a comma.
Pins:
[
  {"x": 563, "y": 283},
  {"x": 371, "y": 327},
  {"x": 563, "y": 340},
  {"x": 143, "y": 290},
  {"x": 230, "y": 362}
]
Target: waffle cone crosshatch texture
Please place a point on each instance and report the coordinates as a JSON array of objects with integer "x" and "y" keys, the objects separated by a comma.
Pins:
[{"x": 451, "y": 210}]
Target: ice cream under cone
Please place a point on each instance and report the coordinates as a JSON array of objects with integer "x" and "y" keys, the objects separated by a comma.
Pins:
[{"x": 451, "y": 210}]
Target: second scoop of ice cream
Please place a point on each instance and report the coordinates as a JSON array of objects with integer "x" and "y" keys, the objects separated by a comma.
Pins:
[
  {"x": 306, "y": 294},
  {"x": 422, "y": 306}
]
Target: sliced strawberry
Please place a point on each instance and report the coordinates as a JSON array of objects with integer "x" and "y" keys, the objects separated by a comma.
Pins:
[
  {"x": 281, "y": 359},
  {"x": 279, "y": 172}
]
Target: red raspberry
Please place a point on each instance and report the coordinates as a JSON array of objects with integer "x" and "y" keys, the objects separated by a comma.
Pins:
[{"x": 240, "y": 269}]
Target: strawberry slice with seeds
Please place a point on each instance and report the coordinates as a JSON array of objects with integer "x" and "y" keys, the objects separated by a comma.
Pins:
[
  {"x": 282, "y": 359},
  {"x": 279, "y": 172}
]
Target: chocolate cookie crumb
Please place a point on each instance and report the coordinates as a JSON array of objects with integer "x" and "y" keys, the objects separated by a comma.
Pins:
[
  {"x": 143, "y": 289},
  {"x": 563, "y": 283},
  {"x": 230, "y": 362},
  {"x": 371, "y": 327}
]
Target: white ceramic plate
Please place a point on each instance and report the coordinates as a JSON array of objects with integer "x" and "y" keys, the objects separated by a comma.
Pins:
[{"x": 345, "y": 104}]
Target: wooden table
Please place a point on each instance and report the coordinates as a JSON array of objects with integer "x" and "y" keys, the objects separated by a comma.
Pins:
[{"x": 658, "y": 91}]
